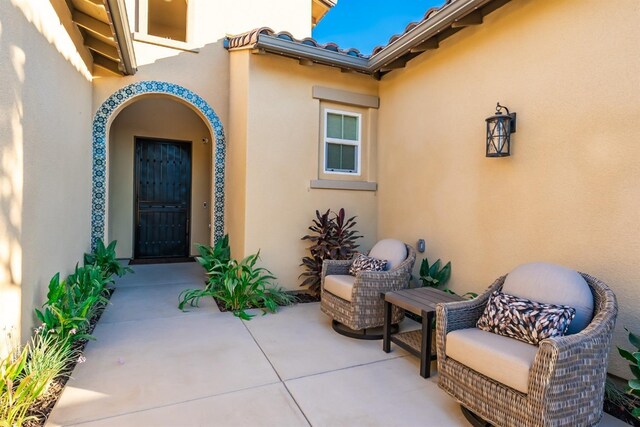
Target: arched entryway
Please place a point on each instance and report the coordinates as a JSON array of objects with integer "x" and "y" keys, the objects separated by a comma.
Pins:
[{"x": 101, "y": 125}]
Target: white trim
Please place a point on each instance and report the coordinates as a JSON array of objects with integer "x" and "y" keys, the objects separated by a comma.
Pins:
[{"x": 358, "y": 143}]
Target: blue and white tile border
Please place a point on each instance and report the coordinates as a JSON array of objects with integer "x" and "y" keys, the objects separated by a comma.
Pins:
[{"x": 100, "y": 123}]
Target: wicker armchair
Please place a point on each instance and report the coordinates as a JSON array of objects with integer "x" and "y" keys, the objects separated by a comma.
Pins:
[
  {"x": 363, "y": 308},
  {"x": 565, "y": 381}
]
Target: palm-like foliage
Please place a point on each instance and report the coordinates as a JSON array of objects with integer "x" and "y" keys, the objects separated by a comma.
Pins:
[
  {"x": 72, "y": 302},
  {"x": 105, "y": 259},
  {"x": 237, "y": 285},
  {"x": 332, "y": 237},
  {"x": 243, "y": 285}
]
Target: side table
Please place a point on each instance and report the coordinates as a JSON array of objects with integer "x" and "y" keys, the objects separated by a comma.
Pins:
[{"x": 421, "y": 302}]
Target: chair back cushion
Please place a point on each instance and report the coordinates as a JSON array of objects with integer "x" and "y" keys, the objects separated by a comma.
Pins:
[
  {"x": 394, "y": 251},
  {"x": 553, "y": 284}
]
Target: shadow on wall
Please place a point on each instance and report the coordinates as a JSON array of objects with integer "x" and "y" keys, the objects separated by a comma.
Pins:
[
  {"x": 12, "y": 60},
  {"x": 40, "y": 175}
]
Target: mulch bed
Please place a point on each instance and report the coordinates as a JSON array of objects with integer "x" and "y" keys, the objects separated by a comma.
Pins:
[
  {"x": 620, "y": 412},
  {"x": 44, "y": 405},
  {"x": 302, "y": 297}
]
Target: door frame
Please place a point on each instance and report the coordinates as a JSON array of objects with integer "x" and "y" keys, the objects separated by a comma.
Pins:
[{"x": 189, "y": 145}]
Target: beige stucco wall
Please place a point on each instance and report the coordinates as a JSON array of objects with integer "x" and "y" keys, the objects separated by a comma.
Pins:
[
  {"x": 569, "y": 194},
  {"x": 280, "y": 143},
  {"x": 157, "y": 117},
  {"x": 45, "y": 156}
]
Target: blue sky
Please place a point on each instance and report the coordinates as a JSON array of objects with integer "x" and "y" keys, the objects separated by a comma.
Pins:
[{"x": 365, "y": 24}]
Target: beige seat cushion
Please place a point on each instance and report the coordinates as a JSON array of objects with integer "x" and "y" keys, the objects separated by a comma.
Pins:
[
  {"x": 502, "y": 359},
  {"x": 394, "y": 251},
  {"x": 340, "y": 285},
  {"x": 553, "y": 284}
]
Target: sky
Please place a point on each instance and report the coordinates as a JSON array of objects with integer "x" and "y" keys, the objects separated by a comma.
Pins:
[{"x": 365, "y": 24}]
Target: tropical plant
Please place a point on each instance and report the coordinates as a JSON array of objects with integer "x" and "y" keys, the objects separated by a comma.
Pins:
[
  {"x": 16, "y": 394},
  {"x": 71, "y": 303},
  {"x": 432, "y": 275},
  {"x": 634, "y": 358},
  {"x": 212, "y": 258},
  {"x": 105, "y": 259},
  {"x": 332, "y": 237},
  {"x": 240, "y": 286},
  {"x": 243, "y": 285}
]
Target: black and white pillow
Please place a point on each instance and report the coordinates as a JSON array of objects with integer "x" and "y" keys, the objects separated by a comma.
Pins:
[
  {"x": 523, "y": 319},
  {"x": 366, "y": 263}
]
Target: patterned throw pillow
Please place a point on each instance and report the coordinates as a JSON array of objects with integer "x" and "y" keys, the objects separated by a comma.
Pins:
[
  {"x": 366, "y": 263},
  {"x": 523, "y": 319}
]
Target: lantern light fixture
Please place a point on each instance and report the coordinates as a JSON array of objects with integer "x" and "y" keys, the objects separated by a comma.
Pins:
[{"x": 500, "y": 126}]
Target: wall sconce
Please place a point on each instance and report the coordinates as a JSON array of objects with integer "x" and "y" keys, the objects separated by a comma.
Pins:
[{"x": 499, "y": 129}]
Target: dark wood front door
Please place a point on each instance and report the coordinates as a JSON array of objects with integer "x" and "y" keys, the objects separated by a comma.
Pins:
[{"x": 163, "y": 198}]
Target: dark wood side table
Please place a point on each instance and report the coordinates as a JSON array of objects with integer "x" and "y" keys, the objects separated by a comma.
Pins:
[{"x": 421, "y": 302}]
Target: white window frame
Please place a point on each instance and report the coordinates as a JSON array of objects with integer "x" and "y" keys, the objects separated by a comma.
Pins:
[{"x": 357, "y": 143}]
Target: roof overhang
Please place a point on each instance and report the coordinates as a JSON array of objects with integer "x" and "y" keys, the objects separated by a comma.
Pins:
[
  {"x": 319, "y": 8},
  {"x": 418, "y": 38},
  {"x": 105, "y": 30}
]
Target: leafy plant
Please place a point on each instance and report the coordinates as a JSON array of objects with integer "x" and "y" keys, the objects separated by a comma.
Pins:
[
  {"x": 16, "y": 395},
  {"x": 332, "y": 237},
  {"x": 71, "y": 303},
  {"x": 634, "y": 358},
  {"x": 105, "y": 259},
  {"x": 240, "y": 286},
  {"x": 48, "y": 357},
  {"x": 212, "y": 258},
  {"x": 434, "y": 276}
]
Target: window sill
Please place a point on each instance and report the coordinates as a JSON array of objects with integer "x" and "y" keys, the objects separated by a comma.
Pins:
[
  {"x": 329, "y": 184},
  {"x": 161, "y": 41}
]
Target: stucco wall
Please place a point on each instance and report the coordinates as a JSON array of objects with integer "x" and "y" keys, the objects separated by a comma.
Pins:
[
  {"x": 156, "y": 117},
  {"x": 282, "y": 145},
  {"x": 45, "y": 156},
  {"x": 569, "y": 194}
]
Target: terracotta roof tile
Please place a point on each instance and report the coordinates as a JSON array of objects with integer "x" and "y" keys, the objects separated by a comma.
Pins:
[
  {"x": 428, "y": 14},
  {"x": 251, "y": 37}
]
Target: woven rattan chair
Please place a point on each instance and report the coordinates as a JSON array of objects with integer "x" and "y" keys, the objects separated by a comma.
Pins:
[
  {"x": 359, "y": 308},
  {"x": 565, "y": 383}
]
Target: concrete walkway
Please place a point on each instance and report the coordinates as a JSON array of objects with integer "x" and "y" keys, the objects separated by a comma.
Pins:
[{"x": 153, "y": 365}]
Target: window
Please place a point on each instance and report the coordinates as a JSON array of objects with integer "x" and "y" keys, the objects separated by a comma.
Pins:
[
  {"x": 162, "y": 18},
  {"x": 342, "y": 137}
]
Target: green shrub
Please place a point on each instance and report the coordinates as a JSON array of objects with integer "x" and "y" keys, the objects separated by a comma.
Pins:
[
  {"x": 243, "y": 285},
  {"x": 237, "y": 285},
  {"x": 17, "y": 391},
  {"x": 105, "y": 259},
  {"x": 634, "y": 358},
  {"x": 48, "y": 357},
  {"x": 332, "y": 238},
  {"x": 434, "y": 276},
  {"x": 214, "y": 258},
  {"x": 71, "y": 303}
]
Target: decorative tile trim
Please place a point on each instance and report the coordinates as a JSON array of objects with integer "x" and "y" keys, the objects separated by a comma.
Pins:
[{"x": 100, "y": 122}]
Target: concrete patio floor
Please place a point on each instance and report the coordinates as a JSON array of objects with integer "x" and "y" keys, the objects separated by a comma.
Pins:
[{"x": 153, "y": 365}]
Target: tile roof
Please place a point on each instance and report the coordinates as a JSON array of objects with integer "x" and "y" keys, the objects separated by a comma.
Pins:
[
  {"x": 250, "y": 38},
  {"x": 437, "y": 24},
  {"x": 428, "y": 14}
]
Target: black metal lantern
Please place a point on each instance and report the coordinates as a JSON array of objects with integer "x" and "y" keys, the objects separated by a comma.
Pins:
[{"x": 499, "y": 129}]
